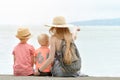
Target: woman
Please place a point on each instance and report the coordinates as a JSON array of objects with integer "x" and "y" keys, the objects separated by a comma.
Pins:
[{"x": 59, "y": 31}]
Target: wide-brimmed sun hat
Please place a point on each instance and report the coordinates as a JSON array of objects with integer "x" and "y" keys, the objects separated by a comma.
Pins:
[
  {"x": 60, "y": 22},
  {"x": 23, "y": 33}
]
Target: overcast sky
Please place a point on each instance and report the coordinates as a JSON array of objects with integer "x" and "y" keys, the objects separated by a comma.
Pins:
[{"x": 36, "y": 12}]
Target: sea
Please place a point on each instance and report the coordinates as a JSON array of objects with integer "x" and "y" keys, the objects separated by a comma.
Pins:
[{"x": 99, "y": 48}]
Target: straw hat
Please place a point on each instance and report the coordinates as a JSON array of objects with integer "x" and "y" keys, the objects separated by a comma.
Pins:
[
  {"x": 23, "y": 33},
  {"x": 60, "y": 22}
]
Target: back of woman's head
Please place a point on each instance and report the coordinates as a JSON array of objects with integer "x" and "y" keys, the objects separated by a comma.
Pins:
[{"x": 60, "y": 32}]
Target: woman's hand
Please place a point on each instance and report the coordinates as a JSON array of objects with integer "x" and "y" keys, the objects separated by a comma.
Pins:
[
  {"x": 77, "y": 29},
  {"x": 75, "y": 33}
]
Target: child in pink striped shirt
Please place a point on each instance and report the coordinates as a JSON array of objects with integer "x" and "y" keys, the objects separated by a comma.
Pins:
[{"x": 23, "y": 54}]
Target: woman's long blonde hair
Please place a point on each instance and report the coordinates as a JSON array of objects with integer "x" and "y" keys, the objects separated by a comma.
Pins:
[{"x": 64, "y": 33}]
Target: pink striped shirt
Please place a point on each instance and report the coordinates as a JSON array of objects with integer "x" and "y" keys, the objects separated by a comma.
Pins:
[{"x": 23, "y": 64}]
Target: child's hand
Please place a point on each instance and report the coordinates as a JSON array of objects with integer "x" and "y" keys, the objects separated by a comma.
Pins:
[{"x": 36, "y": 73}]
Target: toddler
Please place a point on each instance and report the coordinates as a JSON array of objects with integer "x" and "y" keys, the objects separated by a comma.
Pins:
[{"x": 41, "y": 55}]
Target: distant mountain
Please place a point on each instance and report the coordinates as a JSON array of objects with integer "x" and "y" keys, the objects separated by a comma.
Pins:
[{"x": 104, "y": 22}]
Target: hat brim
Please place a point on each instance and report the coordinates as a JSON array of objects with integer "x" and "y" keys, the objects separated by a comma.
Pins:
[{"x": 60, "y": 26}]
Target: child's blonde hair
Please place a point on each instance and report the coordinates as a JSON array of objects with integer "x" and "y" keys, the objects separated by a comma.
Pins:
[{"x": 43, "y": 39}]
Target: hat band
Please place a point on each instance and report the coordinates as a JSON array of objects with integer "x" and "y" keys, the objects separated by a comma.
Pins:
[{"x": 26, "y": 35}]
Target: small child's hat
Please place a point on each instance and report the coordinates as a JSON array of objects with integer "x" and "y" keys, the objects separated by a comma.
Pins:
[{"x": 23, "y": 33}]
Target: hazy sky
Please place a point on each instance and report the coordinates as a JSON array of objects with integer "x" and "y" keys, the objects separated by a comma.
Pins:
[{"x": 42, "y": 11}]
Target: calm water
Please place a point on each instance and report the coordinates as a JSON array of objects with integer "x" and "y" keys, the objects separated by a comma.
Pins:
[{"x": 99, "y": 49}]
